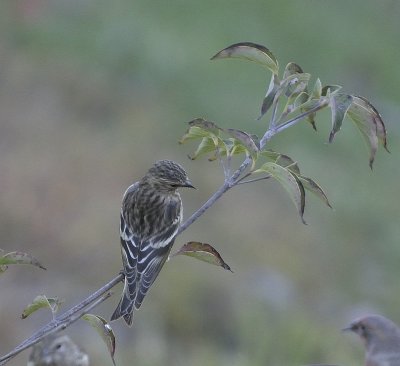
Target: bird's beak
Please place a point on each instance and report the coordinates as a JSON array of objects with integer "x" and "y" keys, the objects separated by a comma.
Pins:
[
  {"x": 189, "y": 184},
  {"x": 347, "y": 329}
]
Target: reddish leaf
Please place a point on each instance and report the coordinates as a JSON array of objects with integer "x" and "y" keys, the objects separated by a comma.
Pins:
[{"x": 204, "y": 252}]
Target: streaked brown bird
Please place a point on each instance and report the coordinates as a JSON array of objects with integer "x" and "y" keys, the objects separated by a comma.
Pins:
[
  {"x": 57, "y": 350},
  {"x": 150, "y": 217},
  {"x": 381, "y": 338}
]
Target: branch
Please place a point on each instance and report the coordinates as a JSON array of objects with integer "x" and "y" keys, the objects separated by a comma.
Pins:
[{"x": 66, "y": 319}]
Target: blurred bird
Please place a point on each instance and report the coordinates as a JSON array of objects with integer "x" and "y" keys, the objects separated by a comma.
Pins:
[
  {"x": 381, "y": 339},
  {"x": 150, "y": 217},
  {"x": 57, "y": 350}
]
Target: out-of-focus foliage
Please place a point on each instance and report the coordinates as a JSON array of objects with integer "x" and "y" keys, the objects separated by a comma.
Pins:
[
  {"x": 92, "y": 93},
  {"x": 17, "y": 258},
  {"x": 40, "y": 302}
]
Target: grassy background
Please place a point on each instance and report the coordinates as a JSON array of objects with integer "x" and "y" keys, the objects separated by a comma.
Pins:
[{"x": 93, "y": 92}]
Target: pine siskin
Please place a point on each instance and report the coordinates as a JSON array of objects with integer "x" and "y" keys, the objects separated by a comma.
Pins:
[
  {"x": 57, "y": 350},
  {"x": 150, "y": 217}
]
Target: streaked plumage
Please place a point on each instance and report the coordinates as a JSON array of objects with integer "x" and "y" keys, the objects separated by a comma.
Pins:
[
  {"x": 57, "y": 350},
  {"x": 381, "y": 338},
  {"x": 150, "y": 217}
]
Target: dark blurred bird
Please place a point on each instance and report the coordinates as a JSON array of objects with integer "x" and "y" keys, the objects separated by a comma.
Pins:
[
  {"x": 57, "y": 350},
  {"x": 150, "y": 217},
  {"x": 381, "y": 338}
]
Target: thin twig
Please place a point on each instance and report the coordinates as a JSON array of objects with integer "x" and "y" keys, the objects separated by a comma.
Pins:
[
  {"x": 67, "y": 318},
  {"x": 59, "y": 322},
  {"x": 298, "y": 118}
]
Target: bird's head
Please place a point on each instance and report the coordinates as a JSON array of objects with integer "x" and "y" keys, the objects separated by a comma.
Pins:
[
  {"x": 374, "y": 330},
  {"x": 168, "y": 175}
]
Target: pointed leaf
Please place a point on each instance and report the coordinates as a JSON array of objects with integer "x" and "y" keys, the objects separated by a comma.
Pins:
[
  {"x": 289, "y": 181},
  {"x": 252, "y": 52},
  {"x": 270, "y": 95},
  {"x": 292, "y": 68},
  {"x": 235, "y": 147},
  {"x": 317, "y": 90},
  {"x": 206, "y": 146},
  {"x": 104, "y": 330},
  {"x": 330, "y": 89},
  {"x": 205, "y": 125},
  {"x": 247, "y": 141},
  {"x": 287, "y": 162},
  {"x": 370, "y": 124},
  {"x": 313, "y": 187},
  {"x": 301, "y": 99},
  {"x": 19, "y": 258},
  {"x": 339, "y": 104},
  {"x": 295, "y": 84},
  {"x": 204, "y": 252},
  {"x": 380, "y": 126},
  {"x": 40, "y": 302},
  {"x": 194, "y": 133},
  {"x": 270, "y": 154}
]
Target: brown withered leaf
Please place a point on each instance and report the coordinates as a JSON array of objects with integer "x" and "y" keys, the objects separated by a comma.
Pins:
[{"x": 203, "y": 252}]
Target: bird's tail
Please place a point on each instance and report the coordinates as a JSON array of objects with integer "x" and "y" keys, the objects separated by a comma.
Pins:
[{"x": 125, "y": 307}]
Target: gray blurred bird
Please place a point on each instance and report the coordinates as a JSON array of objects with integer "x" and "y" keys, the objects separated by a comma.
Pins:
[
  {"x": 57, "y": 350},
  {"x": 381, "y": 338},
  {"x": 150, "y": 217}
]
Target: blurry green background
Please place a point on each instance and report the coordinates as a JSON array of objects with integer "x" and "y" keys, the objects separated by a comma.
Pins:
[{"x": 93, "y": 92}]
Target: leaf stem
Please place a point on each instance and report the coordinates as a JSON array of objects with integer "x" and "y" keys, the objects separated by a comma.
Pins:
[{"x": 298, "y": 118}]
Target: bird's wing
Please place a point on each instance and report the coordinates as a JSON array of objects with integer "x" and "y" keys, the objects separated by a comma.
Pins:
[
  {"x": 130, "y": 244},
  {"x": 154, "y": 250}
]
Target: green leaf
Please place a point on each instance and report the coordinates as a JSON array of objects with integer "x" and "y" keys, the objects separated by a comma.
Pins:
[
  {"x": 19, "y": 258},
  {"x": 289, "y": 181},
  {"x": 247, "y": 141},
  {"x": 104, "y": 330},
  {"x": 40, "y": 302},
  {"x": 270, "y": 95},
  {"x": 317, "y": 90},
  {"x": 206, "y": 146},
  {"x": 270, "y": 154},
  {"x": 203, "y": 252},
  {"x": 370, "y": 124},
  {"x": 286, "y": 161},
  {"x": 252, "y": 52},
  {"x": 292, "y": 68},
  {"x": 235, "y": 147},
  {"x": 282, "y": 160},
  {"x": 205, "y": 125},
  {"x": 295, "y": 84},
  {"x": 339, "y": 104},
  {"x": 330, "y": 89},
  {"x": 313, "y": 187},
  {"x": 194, "y": 133}
]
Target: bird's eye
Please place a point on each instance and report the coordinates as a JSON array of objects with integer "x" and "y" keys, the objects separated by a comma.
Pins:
[{"x": 58, "y": 345}]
